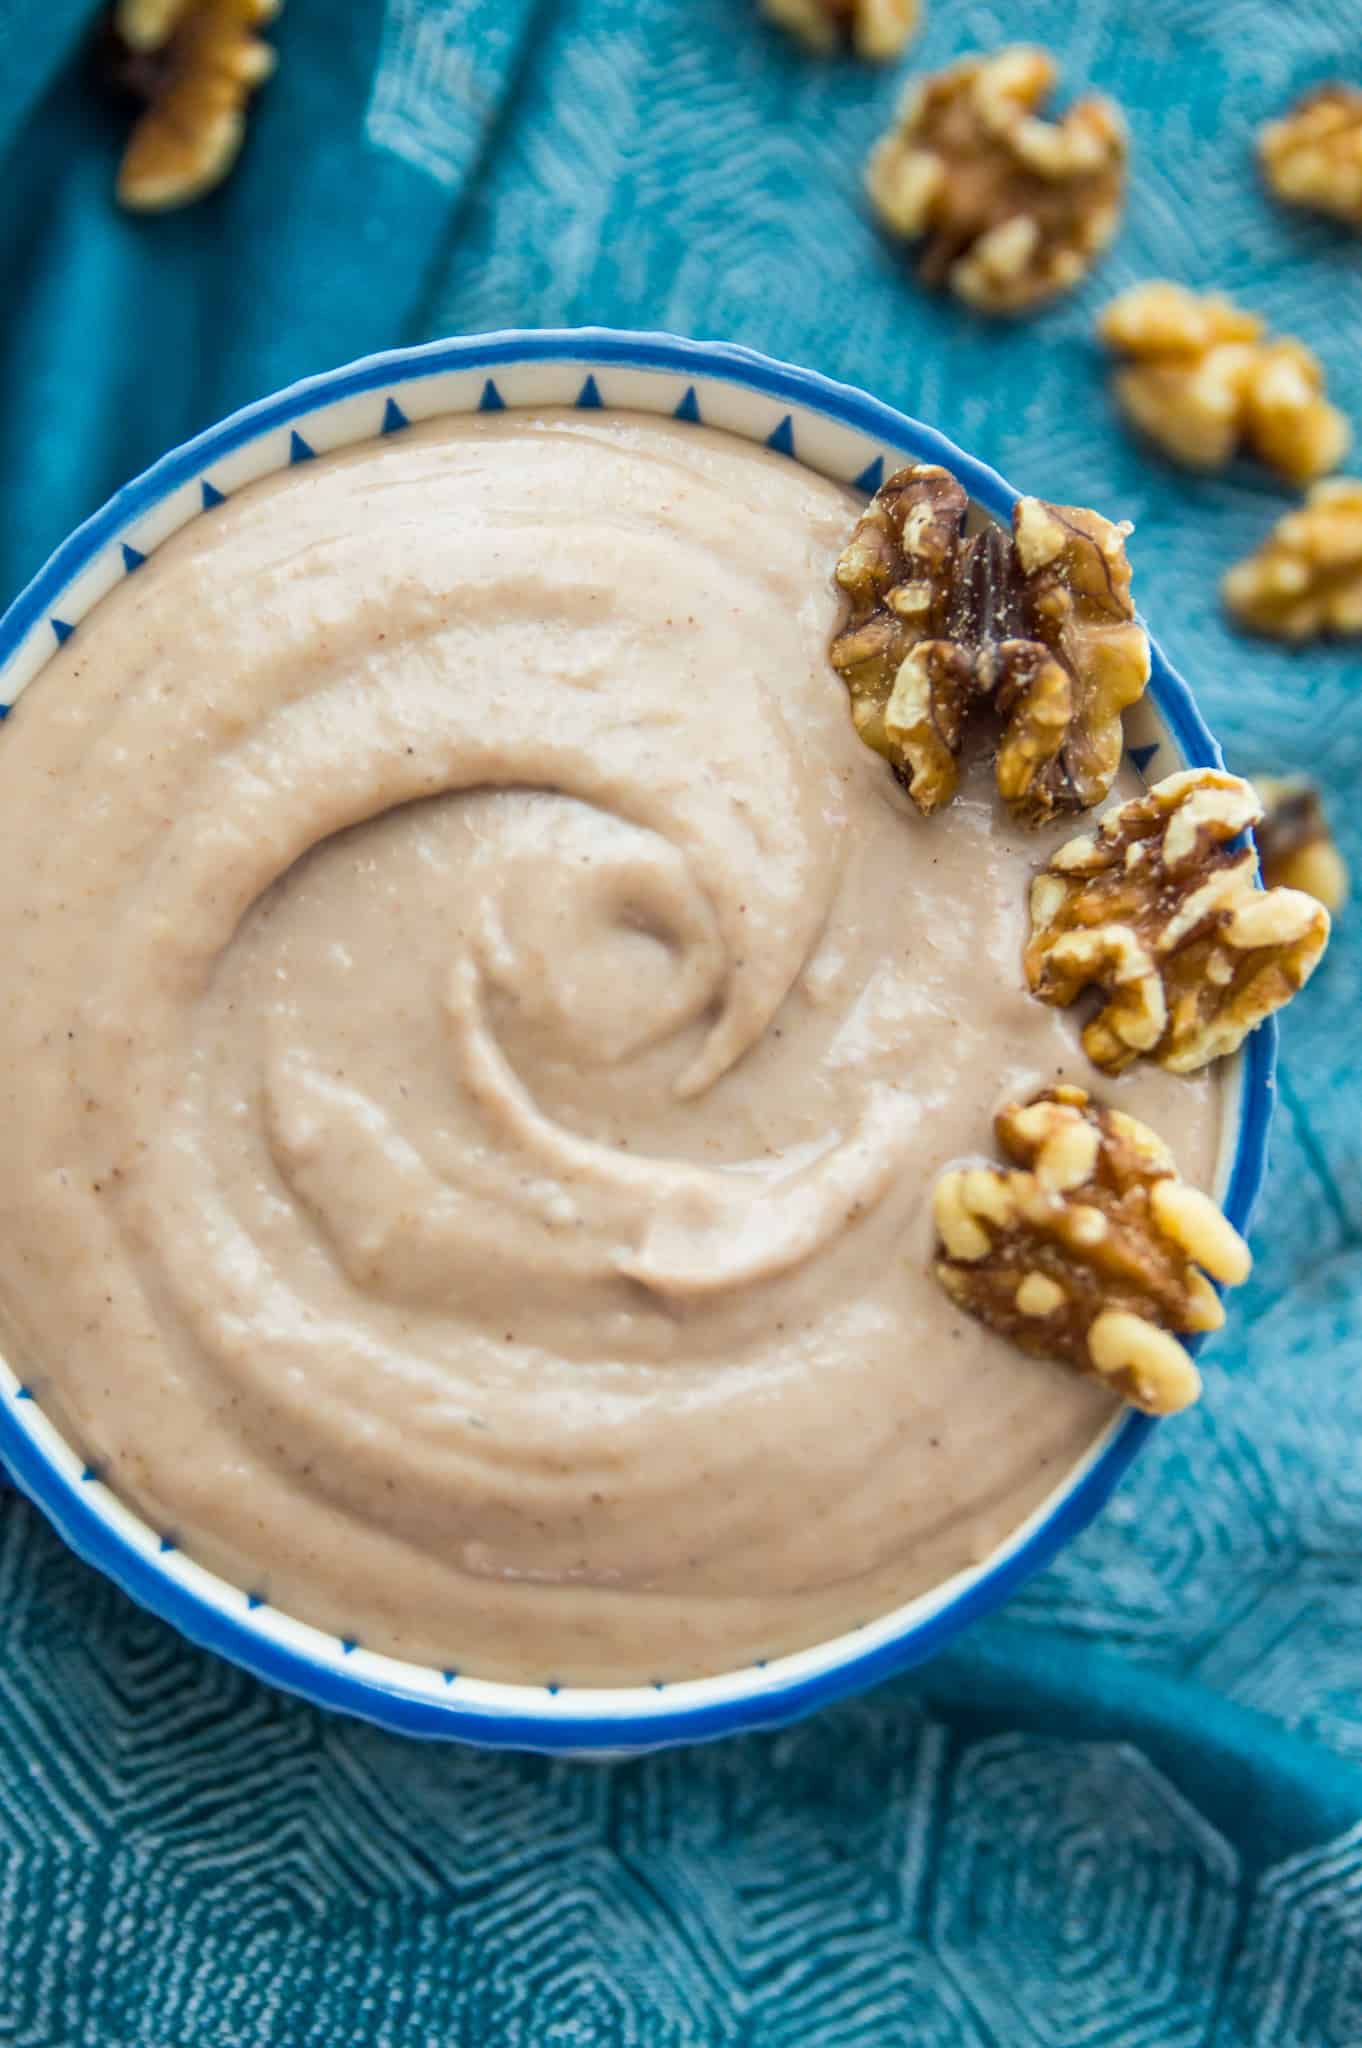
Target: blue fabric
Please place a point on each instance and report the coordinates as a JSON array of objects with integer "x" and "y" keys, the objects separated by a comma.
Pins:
[{"x": 1129, "y": 1811}]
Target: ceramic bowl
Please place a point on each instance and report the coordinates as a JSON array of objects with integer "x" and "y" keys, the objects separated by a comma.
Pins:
[{"x": 831, "y": 428}]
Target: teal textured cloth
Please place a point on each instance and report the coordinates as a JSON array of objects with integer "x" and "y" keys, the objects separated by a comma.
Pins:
[{"x": 1127, "y": 1812}]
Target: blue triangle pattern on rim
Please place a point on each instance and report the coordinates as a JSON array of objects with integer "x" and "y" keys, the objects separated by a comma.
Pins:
[
  {"x": 133, "y": 558},
  {"x": 781, "y": 438},
  {"x": 168, "y": 1544},
  {"x": 348, "y": 1646},
  {"x": 298, "y": 449},
  {"x": 4, "y": 713},
  {"x": 210, "y": 494},
  {"x": 689, "y": 408},
  {"x": 394, "y": 419},
  {"x": 88, "y": 1476},
  {"x": 254, "y": 1600},
  {"x": 871, "y": 477},
  {"x": 62, "y": 631},
  {"x": 491, "y": 400},
  {"x": 1142, "y": 756},
  {"x": 589, "y": 397},
  {"x": 449, "y": 1676},
  {"x": 24, "y": 1393}
]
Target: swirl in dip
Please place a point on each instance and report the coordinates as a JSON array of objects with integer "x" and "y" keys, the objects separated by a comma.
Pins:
[{"x": 480, "y": 1032}]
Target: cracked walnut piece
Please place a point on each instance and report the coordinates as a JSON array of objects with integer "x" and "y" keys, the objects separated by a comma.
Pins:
[
  {"x": 195, "y": 64},
  {"x": 1295, "y": 844},
  {"x": 1305, "y": 580},
  {"x": 874, "y": 29},
  {"x": 1159, "y": 910},
  {"x": 1313, "y": 155},
  {"x": 1037, "y": 624},
  {"x": 147, "y": 24},
  {"x": 1013, "y": 208},
  {"x": 1199, "y": 379},
  {"x": 1091, "y": 1250}
]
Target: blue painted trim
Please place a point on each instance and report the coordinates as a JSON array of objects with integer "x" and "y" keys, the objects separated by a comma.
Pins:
[
  {"x": 69, "y": 1508},
  {"x": 782, "y": 439}
]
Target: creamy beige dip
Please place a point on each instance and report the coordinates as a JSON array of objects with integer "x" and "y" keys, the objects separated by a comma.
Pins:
[{"x": 479, "y": 1033}]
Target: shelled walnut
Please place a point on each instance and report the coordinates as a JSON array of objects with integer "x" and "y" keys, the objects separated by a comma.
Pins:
[
  {"x": 1036, "y": 624},
  {"x": 148, "y": 24},
  {"x": 1313, "y": 155},
  {"x": 1090, "y": 1249},
  {"x": 1295, "y": 844},
  {"x": 1305, "y": 580},
  {"x": 194, "y": 65},
  {"x": 1158, "y": 910},
  {"x": 1200, "y": 379},
  {"x": 875, "y": 29},
  {"x": 1012, "y": 208}
]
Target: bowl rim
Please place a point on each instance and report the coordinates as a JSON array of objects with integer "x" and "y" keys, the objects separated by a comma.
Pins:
[{"x": 539, "y": 1717}]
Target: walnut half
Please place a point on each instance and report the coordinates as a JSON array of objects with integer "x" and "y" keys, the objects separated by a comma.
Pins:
[
  {"x": 1013, "y": 208},
  {"x": 1091, "y": 1249},
  {"x": 1313, "y": 155},
  {"x": 1305, "y": 581},
  {"x": 1295, "y": 844},
  {"x": 1200, "y": 379},
  {"x": 874, "y": 29},
  {"x": 1036, "y": 624},
  {"x": 1158, "y": 909},
  {"x": 195, "y": 64},
  {"x": 149, "y": 24}
]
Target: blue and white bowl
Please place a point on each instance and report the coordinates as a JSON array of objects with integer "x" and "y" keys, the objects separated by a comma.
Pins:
[{"x": 841, "y": 433}]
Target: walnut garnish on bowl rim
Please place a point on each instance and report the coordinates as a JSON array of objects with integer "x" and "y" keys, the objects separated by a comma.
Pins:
[
  {"x": 1199, "y": 378},
  {"x": 874, "y": 29},
  {"x": 1304, "y": 582},
  {"x": 1312, "y": 156},
  {"x": 1159, "y": 911},
  {"x": 194, "y": 64},
  {"x": 1090, "y": 1249},
  {"x": 1035, "y": 625},
  {"x": 1294, "y": 842},
  {"x": 1011, "y": 208}
]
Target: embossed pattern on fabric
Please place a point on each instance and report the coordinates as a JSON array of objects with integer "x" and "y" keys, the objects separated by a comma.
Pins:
[
  {"x": 1128, "y": 1813},
  {"x": 436, "y": 86}
]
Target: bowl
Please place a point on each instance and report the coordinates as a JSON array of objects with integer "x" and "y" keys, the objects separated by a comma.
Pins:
[{"x": 831, "y": 428}]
